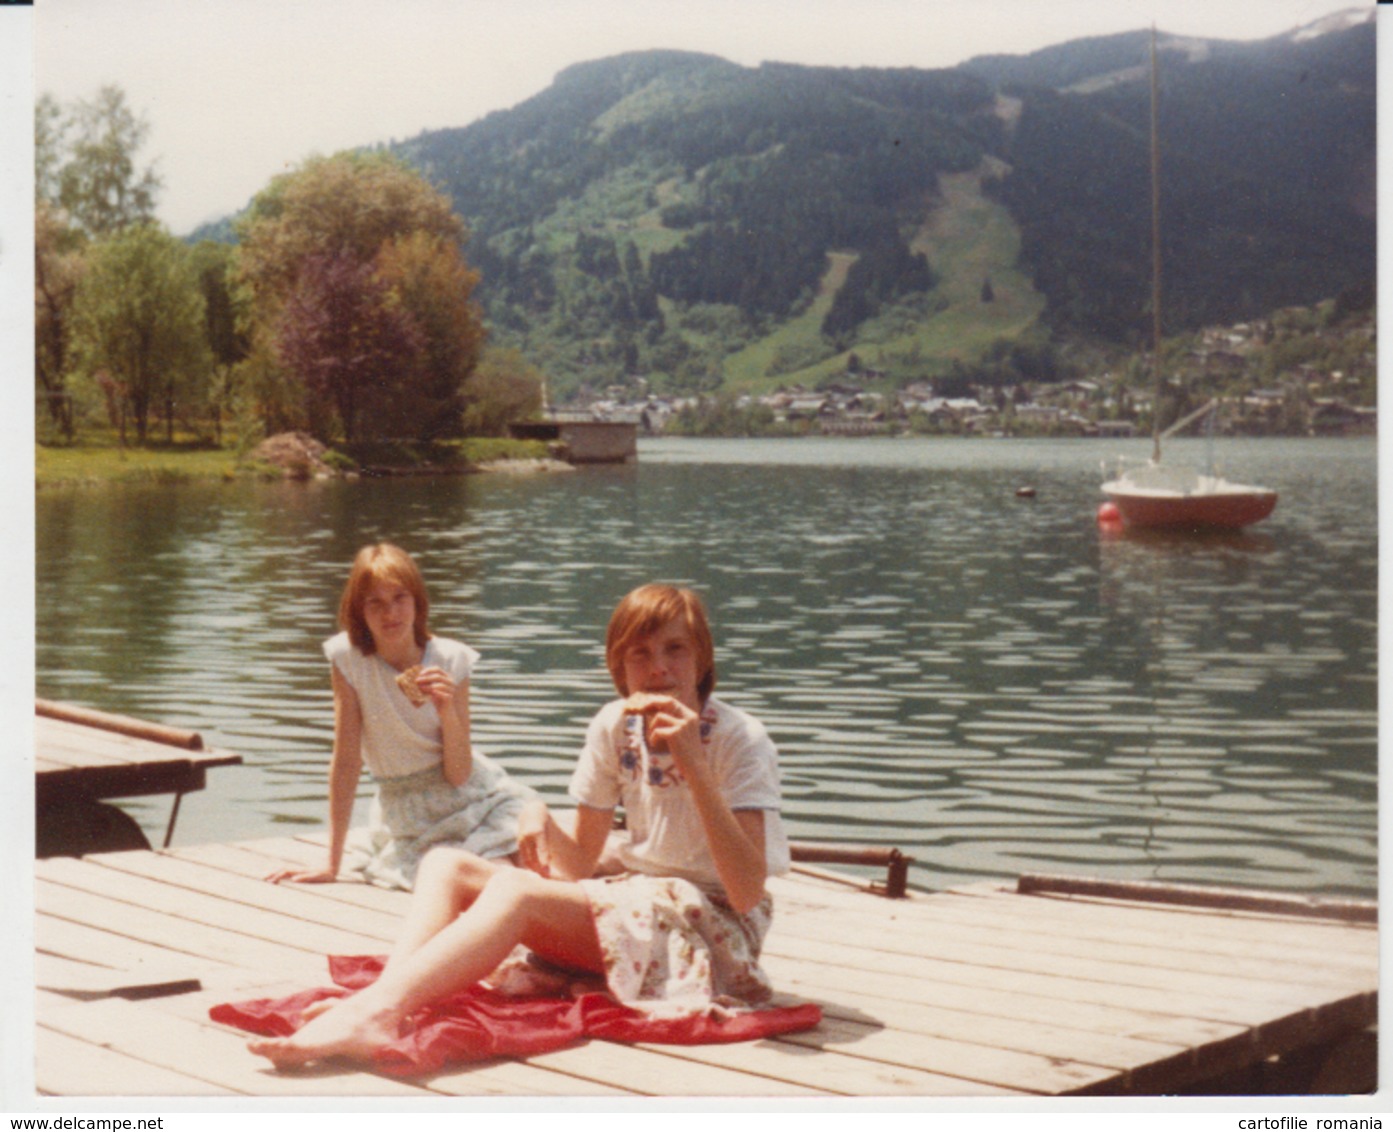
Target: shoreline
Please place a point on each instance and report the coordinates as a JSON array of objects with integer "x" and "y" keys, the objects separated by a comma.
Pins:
[{"x": 96, "y": 464}]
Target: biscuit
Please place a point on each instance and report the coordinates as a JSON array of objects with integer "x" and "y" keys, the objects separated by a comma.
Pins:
[
  {"x": 643, "y": 703},
  {"x": 406, "y": 681}
]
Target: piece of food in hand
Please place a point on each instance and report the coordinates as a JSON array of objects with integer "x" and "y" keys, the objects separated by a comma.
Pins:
[
  {"x": 643, "y": 703},
  {"x": 406, "y": 681},
  {"x": 641, "y": 707}
]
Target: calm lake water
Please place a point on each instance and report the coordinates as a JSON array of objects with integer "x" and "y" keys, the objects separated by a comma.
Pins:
[{"x": 985, "y": 681}]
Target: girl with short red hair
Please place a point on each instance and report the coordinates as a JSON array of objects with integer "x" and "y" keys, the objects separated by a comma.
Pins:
[{"x": 401, "y": 707}]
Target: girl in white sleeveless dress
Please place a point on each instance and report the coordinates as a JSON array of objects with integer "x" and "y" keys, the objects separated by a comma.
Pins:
[{"x": 433, "y": 788}]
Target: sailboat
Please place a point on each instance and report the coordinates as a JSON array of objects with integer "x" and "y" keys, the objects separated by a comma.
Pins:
[{"x": 1176, "y": 496}]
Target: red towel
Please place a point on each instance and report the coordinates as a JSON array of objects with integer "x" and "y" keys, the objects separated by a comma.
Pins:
[{"x": 481, "y": 1023}]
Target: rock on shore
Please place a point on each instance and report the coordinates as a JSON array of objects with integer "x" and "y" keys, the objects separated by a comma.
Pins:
[{"x": 297, "y": 454}]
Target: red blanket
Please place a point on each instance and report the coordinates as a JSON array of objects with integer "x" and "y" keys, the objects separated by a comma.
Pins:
[{"x": 481, "y": 1023}]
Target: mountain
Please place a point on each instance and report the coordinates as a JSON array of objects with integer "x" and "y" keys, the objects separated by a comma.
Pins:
[
  {"x": 1267, "y": 159},
  {"x": 702, "y": 225}
]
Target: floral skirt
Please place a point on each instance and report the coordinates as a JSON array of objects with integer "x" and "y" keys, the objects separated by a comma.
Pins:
[
  {"x": 672, "y": 949},
  {"x": 414, "y": 813}
]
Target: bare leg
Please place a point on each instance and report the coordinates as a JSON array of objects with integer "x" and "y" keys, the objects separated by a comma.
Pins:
[
  {"x": 447, "y": 882},
  {"x": 516, "y": 906}
]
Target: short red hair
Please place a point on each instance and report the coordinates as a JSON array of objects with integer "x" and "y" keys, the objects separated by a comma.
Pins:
[
  {"x": 381, "y": 562},
  {"x": 645, "y": 611}
]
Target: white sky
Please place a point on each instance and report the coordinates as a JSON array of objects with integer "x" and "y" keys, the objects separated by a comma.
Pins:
[{"x": 236, "y": 91}]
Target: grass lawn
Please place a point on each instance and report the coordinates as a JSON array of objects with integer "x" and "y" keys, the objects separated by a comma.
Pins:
[
  {"x": 102, "y": 460},
  {"x": 97, "y": 457}
]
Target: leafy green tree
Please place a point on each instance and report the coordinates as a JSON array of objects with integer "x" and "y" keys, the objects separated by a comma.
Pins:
[
  {"x": 345, "y": 338},
  {"x": 503, "y": 388},
  {"x": 428, "y": 276},
  {"x": 138, "y": 319},
  {"x": 58, "y": 266},
  {"x": 50, "y": 129},
  {"x": 227, "y": 337},
  {"x": 351, "y": 204},
  {"x": 89, "y": 157},
  {"x": 365, "y": 234}
]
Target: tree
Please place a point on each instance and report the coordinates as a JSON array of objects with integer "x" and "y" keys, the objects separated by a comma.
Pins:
[
  {"x": 50, "y": 131},
  {"x": 227, "y": 338},
  {"x": 58, "y": 266},
  {"x": 503, "y": 388},
  {"x": 89, "y": 157},
  {"x": 351, "y": 205},
  {"x": 138, "y": 317},
  {"x": 343, "y": 335},
  {"x": 361, "y": 236},
  {"x": 428, "y": 276}
]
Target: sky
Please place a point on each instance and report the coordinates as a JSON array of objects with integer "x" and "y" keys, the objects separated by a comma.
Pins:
[{"x": 237, "y": 92}]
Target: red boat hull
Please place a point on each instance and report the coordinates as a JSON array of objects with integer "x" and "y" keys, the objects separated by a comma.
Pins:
[{"x": 1219, "y": 511}]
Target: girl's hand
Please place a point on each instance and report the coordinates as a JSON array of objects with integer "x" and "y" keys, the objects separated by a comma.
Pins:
[
  {"x": 534, "y": 838},
  {"x": 303, "y": 876},
  {"x": 676, "y": 728},
  {"x": 436, "y": 683}
]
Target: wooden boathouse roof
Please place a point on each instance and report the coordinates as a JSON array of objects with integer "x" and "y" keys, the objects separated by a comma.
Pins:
[{"x": 1041, "y": 988}]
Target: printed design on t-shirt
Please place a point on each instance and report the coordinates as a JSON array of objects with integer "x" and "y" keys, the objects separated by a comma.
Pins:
[{"x": 639, "y": 762}]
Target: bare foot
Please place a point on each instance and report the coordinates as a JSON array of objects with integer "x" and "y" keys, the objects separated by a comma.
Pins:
[
  {"x": 315, "y": 1009},
  {"x": 353, "y": 1030}
]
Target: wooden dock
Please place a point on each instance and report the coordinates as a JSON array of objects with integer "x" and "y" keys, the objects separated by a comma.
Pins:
[
  {"x": 84, "y": 758},
  {"x": 993, "y": 990}
]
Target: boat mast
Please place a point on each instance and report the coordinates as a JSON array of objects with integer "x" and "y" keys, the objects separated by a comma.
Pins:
[{"x": 1155, "y": 261}]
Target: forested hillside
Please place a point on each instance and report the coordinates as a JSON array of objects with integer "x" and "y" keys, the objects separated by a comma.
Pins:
[{"x": 675, "y": 222}]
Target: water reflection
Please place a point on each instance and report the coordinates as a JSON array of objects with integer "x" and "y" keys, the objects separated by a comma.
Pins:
[{"x": 980, "y": 679}]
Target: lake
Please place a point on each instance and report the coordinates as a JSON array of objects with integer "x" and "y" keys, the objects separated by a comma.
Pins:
[{"x": 986, "y": 681}]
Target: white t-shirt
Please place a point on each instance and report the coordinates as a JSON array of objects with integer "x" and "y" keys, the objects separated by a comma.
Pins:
[
  {"x": 666, "y": 837},
  {"x": 398, "y": 738}
]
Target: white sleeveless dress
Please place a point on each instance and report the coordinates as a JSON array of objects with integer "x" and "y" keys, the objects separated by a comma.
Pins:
[{"x": 414, "y": 808}]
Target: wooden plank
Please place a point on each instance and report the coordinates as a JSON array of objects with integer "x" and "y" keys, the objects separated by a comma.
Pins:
[
  {"x": 960, "y": 965},
  {"x": 1272, "y": 1029},
  {"x": 83, "y": 746},
  {"x": 188, "y": 877},
  {"x": 832, "y": 974},
  {"x": 652, "y": 1074},
  {"x": 1148, "y": 1065},
  {"x": 67, "y": 981},
  {"x": 1158, "y": 920},
  {"x": 72, "y": 1067},
  {"x": 182, "y": 935},
  {"x": 79, "y": 746},
  {"x": 515, "y": 1078},
  {"x": 52, "y": 713},
  {"x": 149, "y": 898},
  {"x": 256, "y": 861},
  {"x": 953, "y": 1058},
  {"x": 831, "y": 1071},
  {"x": 75, "y": 940},
  {"x": 1233, "y": 899},
  {"x": 1302, "y": 979},
  {"x": 1218, "y": 932},
  {"x": 910, "y": 1010},
  {"x": 214, "y": 1055},
  {"x": 1155, "y": 969}
]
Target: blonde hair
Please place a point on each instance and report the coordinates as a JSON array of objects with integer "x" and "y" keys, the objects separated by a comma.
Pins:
[
  {"x": 381, "y": 562},
  {"x": 645, "y": 611}
]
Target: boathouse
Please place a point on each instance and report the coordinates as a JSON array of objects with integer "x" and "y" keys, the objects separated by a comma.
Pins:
[{"x": 583, "y": 441}]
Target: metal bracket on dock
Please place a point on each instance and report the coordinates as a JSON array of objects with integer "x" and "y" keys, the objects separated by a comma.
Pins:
[{"x": 895, "y": 863}]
